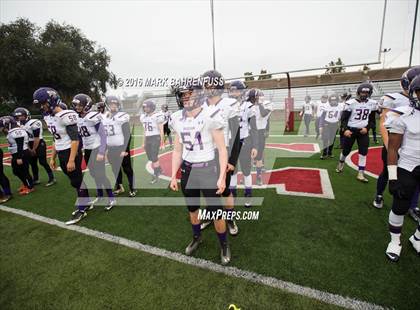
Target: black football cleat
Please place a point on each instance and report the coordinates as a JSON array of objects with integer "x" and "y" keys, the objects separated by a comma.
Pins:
[
  {"x": 193, "y": 245},
  {"x": 110, "y": 205},
  {"x": 225, "y": 255},
  {"x": 5, "y": 198},
  {"x": 378, "y": 202},
  {"x": 232, "y": 228},
  {"x": 76, "y": 217}
]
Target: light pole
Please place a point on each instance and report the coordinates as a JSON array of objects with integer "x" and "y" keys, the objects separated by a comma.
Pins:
[
  {"x": 212, "y": 31},
  {"x": 414, "y": 33}
]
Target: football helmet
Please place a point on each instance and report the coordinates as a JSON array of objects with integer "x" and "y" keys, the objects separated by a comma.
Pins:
[
  {"x": 254, "y": 95},
  {"x": 237, "y": 89},
  {"x": 345, "y": 96},
  {"x": 7, "y": 122},
  {"x": 100, "y": 107},
  {"x": 408, "y": 76},
  {"x": 21, "y": 115},
  {"x": 324, "y": 98},
  {"x": 364, "y": 91},
  {"x": 414, "y": 90},
  {"x": 164, "y": 107},
  {"x": 213, "y": 83},
  {"x": 48, "y": 98},
  {"x": 82, "y": 103},
  {"x": 333, "y": 100},
  {"x": 112, "y": 100},
  {"x": 184, "y": 92},
  {"x": 149, "y": 106},
  {"x": 308, "y": 98}
]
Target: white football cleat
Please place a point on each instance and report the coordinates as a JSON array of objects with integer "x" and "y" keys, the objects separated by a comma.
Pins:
[
  {"x": 393, "y": 251},
  {"x": 340, "y": 167},
  {"x": 361, "y": 177},
  {"x": 416, "y": 244}
]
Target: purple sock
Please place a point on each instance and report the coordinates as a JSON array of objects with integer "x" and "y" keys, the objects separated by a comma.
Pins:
[
  {"x": 110, "y": 193},
  {"x": 259, "y": 171},
  {"x": 222, "y": 238},
  {"x": 248, "y": 191},
  {"x": 100, "y": 192},
  {"x": 234, "y": 191},
  {"x": 196, "y": 230},
  {"x": 83, "y": 199},
  {"x": 7, "y": 191}
]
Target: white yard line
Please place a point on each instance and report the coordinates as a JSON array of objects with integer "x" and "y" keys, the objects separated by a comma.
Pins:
[{"x": 290, "y": 287}]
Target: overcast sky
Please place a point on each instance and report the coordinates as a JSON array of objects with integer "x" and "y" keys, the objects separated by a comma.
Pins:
[{"x": 173, "y": 38}]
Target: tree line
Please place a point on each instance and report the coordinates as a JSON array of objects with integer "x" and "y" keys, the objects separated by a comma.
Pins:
[{"x": 57, "y": 55}]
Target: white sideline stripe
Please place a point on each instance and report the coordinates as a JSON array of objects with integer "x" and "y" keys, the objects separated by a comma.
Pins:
[{"x": 290, "y": 287}]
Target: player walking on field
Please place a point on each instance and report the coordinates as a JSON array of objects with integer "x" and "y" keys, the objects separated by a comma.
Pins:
[{"x": 198, "y": 132}]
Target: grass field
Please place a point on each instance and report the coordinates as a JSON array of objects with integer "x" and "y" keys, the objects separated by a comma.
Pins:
[{"x": 335, "y": 246}]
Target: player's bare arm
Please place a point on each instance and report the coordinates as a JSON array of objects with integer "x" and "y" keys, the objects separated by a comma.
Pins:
[
  {"x": 219, "y": 140},
  {"x": 176, "y": 163}
]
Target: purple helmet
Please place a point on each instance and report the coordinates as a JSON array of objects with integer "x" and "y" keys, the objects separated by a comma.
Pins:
[
  {"x": 47, "y": 95},
  {"x": 150, "y": 105},
  {"x": 408, "y": 76},
  {"x": 83, "y": 100}
]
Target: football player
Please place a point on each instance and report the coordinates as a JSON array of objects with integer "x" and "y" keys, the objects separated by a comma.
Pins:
[
  {"x": 166, "y": 129},
  {"x": 343, "y": 98},
  {"x": 18, "y": 140},
  {"x": 403, "y": 170},
  {"x": 356, "y": 121},
  {"x": 37, "y": 145},
  {"x": 117, "y": 127},
  {"x": 319, "y": 107},
  {"x": 307, "y": 113},
  {"x": 198, "y": 132},
  {"x": 328, "y": 124},
  {"x": 152, "y": 121},
  {"x": 262, "y": 111},
  {"x": 63, "y": 126},
  {"x": 387, "y": 104},
  {"x": 6, "y": 192},
  {"x": 229, "y": 109},
  {"x": 93, "y": 135},
  {"x": 248, "y": 140},
  {"x": 101, "y": 108}
]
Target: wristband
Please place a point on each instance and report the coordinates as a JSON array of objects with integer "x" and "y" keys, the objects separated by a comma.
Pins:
[{"x": 392, "y": 172}]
